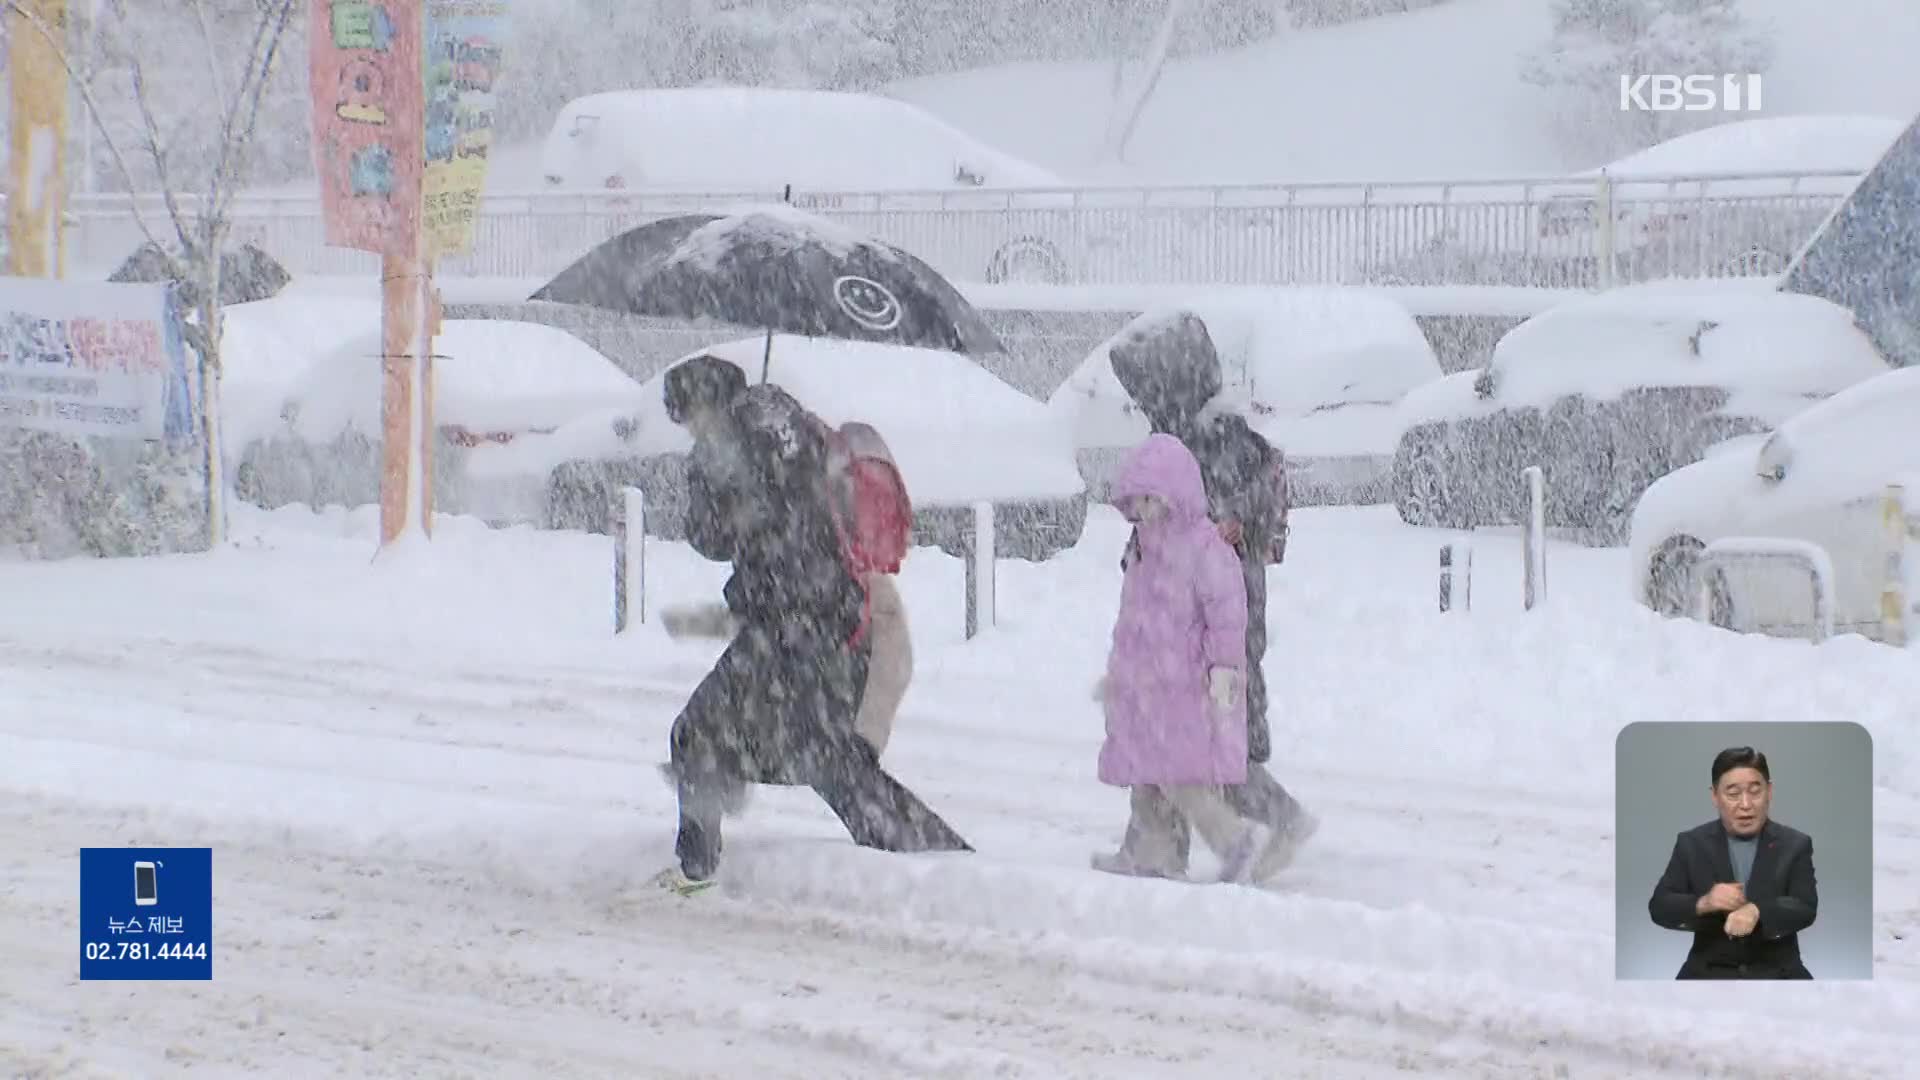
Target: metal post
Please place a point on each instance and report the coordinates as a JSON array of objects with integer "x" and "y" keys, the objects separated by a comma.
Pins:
[
  {"x": 1534, "y": 534},
  {"x": 1446, "y": 577},
  {"x": 980, "y": 575},
  {"x": 629, "y": 559}
]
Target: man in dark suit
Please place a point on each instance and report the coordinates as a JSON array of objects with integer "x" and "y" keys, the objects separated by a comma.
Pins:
[{"x": 1742, "y": 884}]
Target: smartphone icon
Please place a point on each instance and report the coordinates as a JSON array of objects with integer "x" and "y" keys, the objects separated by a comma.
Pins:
[{"x": 146, "y": 885}]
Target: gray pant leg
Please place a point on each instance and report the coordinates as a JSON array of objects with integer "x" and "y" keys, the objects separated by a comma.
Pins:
[
  {"x": 1158, "y": 836},
  {"x": 1259, "y": 738},
  {"x": 1262, "y": 798}
]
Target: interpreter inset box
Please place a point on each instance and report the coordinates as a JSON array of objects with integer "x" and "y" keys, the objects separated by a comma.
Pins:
[{"x": 1743, "y": 851}]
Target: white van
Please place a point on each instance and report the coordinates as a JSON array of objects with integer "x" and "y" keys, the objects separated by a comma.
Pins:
[{"x": 726, "y": 140}]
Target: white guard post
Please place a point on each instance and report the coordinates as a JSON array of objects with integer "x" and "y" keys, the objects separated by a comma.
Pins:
[
  {"x": 980, "y": 577},
  {"x": 1534, "y": 537},
  {"x": 629, "y": 559},
  {"x": 1810, "y": 559}
]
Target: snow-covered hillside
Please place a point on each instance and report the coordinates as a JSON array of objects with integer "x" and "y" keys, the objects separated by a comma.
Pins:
[{"x": 1433, "y": 93}]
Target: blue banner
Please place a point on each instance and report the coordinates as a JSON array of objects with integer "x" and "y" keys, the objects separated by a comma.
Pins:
[{"x": 146, "y": 913}]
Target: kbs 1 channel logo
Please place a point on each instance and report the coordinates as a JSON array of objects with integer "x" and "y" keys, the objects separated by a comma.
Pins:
[
  {"x": 146, "y": 913},
  {"x": 1690, "y": 93}
]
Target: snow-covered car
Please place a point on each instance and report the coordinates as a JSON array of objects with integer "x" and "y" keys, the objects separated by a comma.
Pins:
[
  {"x": 756, "y": 142},
  {"x": 959, "y": 434},
  {"x": 1820, "y": 478},
  {"x": 1317, "y": 371},
  {"x": 511, "y": 402},
  {"x": 1772, "y": 181},
  {"x": 1608, "y": 393}
]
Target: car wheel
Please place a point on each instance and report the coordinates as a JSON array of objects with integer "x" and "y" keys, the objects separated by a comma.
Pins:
[
  {"x": 1027, "y": 260},
  {"x": 1674, "y": 581}
]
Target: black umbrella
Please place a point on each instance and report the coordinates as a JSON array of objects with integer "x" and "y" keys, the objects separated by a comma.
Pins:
[
  {"x": 246, "y": 274},
  {"x": 781, "y": 269}
]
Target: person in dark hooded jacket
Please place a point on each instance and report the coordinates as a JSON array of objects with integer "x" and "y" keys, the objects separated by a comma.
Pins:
[
  {"x": 779, "y": 705},
  {"x": 1172, "y": 371}
]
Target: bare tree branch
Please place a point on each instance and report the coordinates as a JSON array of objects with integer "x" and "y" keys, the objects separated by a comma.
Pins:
[
  {"x": 158, "y": 151},
  {"x": 214, "y": 74},
  {"x": 272, "y": 29}
]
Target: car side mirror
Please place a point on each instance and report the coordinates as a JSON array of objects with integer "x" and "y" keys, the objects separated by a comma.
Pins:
[{"x": 1774, "y": 457}]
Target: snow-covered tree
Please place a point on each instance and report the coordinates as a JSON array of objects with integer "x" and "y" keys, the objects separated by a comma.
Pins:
[{"x": 1596, "y": 42}]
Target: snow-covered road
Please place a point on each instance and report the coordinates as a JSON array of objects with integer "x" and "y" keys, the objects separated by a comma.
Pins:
[{"x": 430, "y": 794}]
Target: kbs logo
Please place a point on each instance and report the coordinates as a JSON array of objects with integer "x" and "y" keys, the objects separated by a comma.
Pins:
[{"x": 1690, "y": 93}]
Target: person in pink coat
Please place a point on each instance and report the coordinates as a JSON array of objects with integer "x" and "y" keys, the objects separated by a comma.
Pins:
[{"x": 1173, "y": 691}]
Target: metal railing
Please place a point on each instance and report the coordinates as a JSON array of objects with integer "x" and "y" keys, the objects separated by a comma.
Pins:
[{"x": 1553, "y": 231}]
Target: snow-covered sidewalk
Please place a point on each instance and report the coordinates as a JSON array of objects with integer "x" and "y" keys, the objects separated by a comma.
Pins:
[{"x": 429, "y": 785}]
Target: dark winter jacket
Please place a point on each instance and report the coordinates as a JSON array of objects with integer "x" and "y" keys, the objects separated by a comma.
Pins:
[
  {"x": 1781, "y": 884},
  {"x": 775, "y": 520},
  {"x": 1172, "y": 371},
  {"x": 779, "y": 705}
]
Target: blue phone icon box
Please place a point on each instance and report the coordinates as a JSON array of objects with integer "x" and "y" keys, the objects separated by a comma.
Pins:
[{"x": 146, "y": 913}]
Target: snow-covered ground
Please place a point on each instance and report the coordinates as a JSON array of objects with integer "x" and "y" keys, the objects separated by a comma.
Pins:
[{"x": 429, "y": 786}]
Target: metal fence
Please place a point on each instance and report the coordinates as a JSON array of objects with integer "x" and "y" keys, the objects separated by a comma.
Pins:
[{"x": 1553, "y": 231}]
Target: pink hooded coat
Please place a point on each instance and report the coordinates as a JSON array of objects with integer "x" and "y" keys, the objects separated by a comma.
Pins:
[{"x": 1183, "y": 610}]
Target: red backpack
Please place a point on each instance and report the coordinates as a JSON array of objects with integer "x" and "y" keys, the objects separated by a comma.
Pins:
[{"x": 871, "y": 508}]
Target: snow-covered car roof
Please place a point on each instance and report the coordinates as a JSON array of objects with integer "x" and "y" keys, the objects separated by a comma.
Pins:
[
  {"x": 1285, "y": 353},
  {"x": 1683, "y": 334},
  {"x": 488, "y": 375},
  {"x": 958, "y": 433},
  {"x": 743, "y": 139}
]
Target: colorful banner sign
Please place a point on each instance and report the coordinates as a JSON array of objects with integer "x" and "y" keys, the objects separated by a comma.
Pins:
[
  {"x": 464, "y": 42},
  {"x": 367, "y": 114},
  {"x": 403, "y": 119},
  {"x": 91, "y": 358}
]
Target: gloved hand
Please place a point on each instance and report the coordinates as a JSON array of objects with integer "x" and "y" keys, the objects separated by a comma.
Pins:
[
  {"x": 1100, "y": 690},
  {"x": 697, "y": 621},
  {"x": 1223, "y": 687}
]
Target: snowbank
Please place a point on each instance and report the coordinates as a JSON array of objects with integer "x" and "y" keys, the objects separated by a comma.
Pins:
[
  {"x": 958, "y": 433},
  {"x": 488, "y": 376},
  {"x": 738, "y": 139},
  {"x": 1284, "y": 353}
]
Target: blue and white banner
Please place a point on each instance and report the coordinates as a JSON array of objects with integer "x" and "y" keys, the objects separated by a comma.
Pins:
[{"x": 94, "y": 358}]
